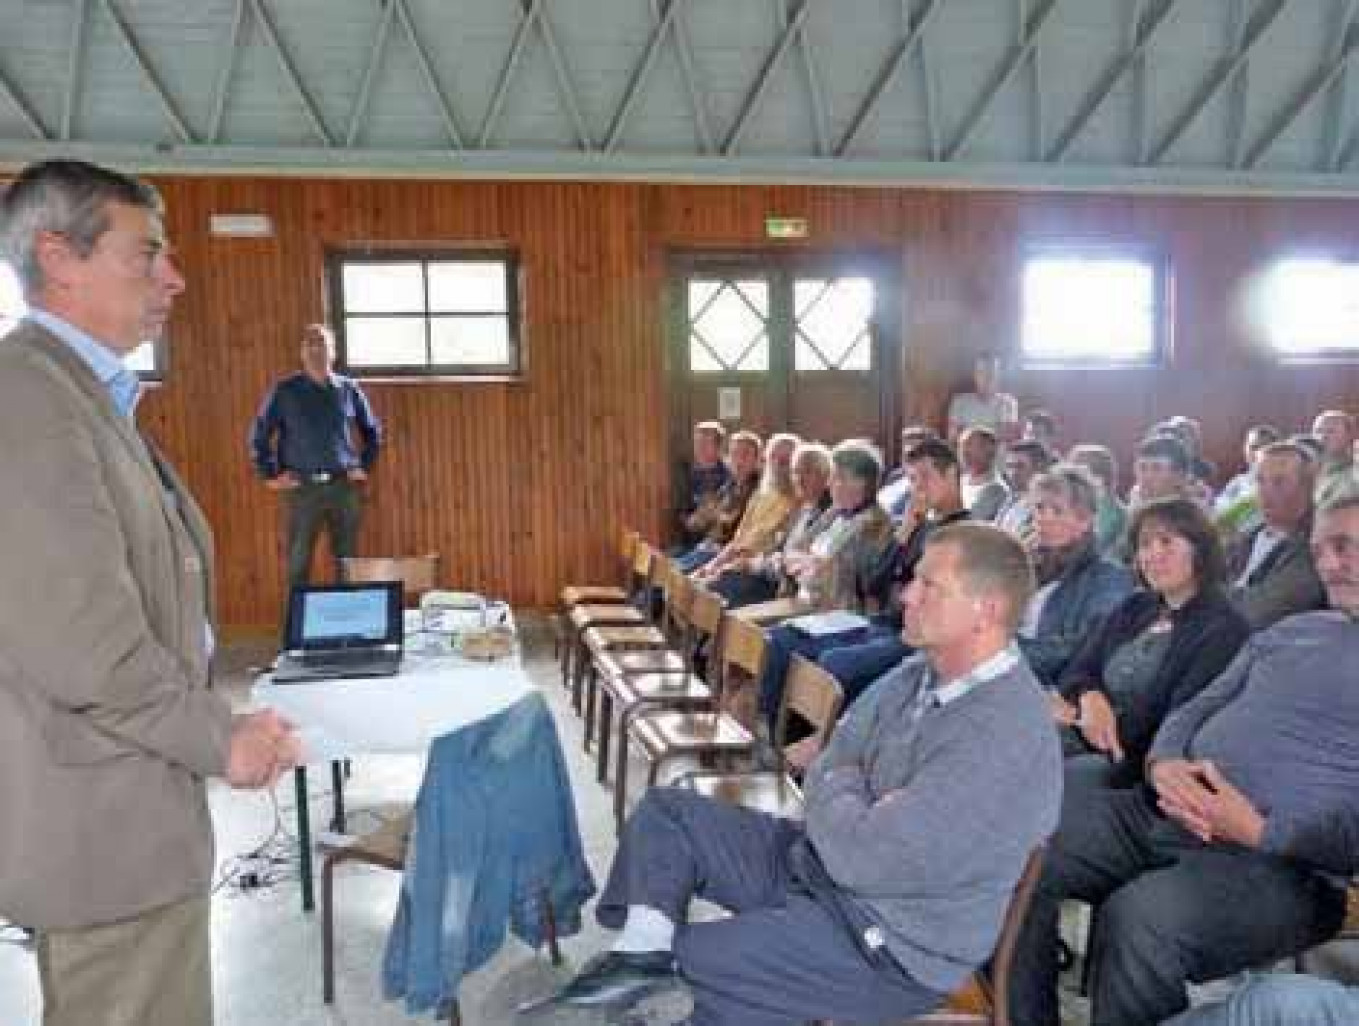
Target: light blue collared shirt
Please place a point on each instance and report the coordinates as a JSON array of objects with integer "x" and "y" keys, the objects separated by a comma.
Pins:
[{"x": 123, "y": 385}]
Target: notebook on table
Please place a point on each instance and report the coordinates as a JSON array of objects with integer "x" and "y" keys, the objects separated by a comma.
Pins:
[{"x": 341, "y": 630}]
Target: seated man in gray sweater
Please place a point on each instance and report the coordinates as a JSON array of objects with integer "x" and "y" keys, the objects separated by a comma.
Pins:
[
  {"x": 919, "y": 815},
  {"x": 1238, "y": 852}
]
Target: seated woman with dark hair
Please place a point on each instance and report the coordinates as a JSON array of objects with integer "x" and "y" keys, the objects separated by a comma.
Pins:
[
  {"x": 746, "y": 580},
  {"x": 1155, "y": 651}
]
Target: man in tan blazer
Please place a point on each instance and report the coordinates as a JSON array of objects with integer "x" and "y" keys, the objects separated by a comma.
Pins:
[{"x": 108, "y": 728}]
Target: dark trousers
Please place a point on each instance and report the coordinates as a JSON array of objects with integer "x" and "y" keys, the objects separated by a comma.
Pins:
[
  {"x": 783, "y": 958},
  {"x": 856, "y": 658},
  {"x": 333, "y": 506},
  {"x": 1171, "y": 911},
  {"x": 742, "y": 589}
]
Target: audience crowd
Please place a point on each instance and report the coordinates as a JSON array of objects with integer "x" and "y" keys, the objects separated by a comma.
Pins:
[{"x": 1199, "y": 653}]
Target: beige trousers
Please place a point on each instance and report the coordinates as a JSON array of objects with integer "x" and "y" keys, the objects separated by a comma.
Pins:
[{"x": 154, "y": 970}]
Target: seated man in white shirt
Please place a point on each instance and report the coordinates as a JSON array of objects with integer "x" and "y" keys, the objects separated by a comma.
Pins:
[
  {"x": 1270, "y": 569},
  {"x": 986, "y": 407}
]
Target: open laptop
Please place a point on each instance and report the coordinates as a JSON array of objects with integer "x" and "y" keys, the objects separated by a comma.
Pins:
[{"x": 341, "y": 630}]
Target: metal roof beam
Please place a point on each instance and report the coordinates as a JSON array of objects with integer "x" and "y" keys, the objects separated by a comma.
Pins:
[
  {"x": 887, "y": 74},
  {"x": 564, "y": 83},
  {"x": 75, "y": 59},
  {"x": 10, "y": 91},
  {"x": 1321, "y": 80},
  {"x": 1031, "y": 32},
  {"x": 1147, "y": 28},
  {"x": 427, "y": 70},
  {"x": 167, "y": 105},
  {"x": 761, "y": 85},
  {"x": 641, "y": 74},
  {"x": 290, "y": 70},
  {"x": 817, "y": 95},
  {"x": 1256, "y": 30},
  {"x": 375, "y": 52},
  {"x": 228, "y": 69}
]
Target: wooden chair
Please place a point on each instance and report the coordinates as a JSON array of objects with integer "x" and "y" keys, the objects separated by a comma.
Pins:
[
  {"x": 811, "y": 693},
  {"x": 985, "y": 1001},
  {"x": 707, "y": 733},
  {"x": 417, "y": 574},
  {"x": 581, "y": 617},
  {"x": 603, "y": 594},
  {"x": 677, "y": 658},
  {"x": 386, "y": 847},
  {"x": 630, "y": 682}
]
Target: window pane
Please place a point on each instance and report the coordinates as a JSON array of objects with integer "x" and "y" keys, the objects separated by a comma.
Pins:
[
  {"x": 385, "y": 341},
  {"x": 142, "y": 359},
  {"x": 1312, "y": 306},
  {"x": 470, "y": 340},
  {"x": 383, "y": 288},
  {"x": 727, "y": 325},
  {"x": 470, "y": 287},
  {"x": 834, "y": 315},
  {"x": 11, "y": 299},
  {"x": 1089, "y": 309}
]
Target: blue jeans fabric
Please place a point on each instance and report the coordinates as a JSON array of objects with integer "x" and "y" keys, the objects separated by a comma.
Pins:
[
  {"x": 494, "y": 831},
  {"x": 697, "y": 557},
  {"x": 784, "y": 957},
  {"x": 784, "y": 643},
  {"x": 1172, "y": 910},
  {"x": 856, "y": 658},
  {"x": 1282, "y": 999},
  {"x": 858, "y": 666}
]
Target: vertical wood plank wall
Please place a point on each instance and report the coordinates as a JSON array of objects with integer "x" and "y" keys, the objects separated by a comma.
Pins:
[{"x": 523, "y": 485}]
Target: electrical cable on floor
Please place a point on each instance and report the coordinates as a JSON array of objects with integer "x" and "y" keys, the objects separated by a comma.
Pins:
[{"x": 271, "y": 862}]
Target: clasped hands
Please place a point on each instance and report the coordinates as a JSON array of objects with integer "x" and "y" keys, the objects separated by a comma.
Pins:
[
  {"x": 263, "y": 747},
  {"x": 1195, "y": 794}
]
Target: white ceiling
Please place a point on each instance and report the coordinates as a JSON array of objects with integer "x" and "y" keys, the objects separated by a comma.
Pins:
[{"x": 1223, "y": 95}]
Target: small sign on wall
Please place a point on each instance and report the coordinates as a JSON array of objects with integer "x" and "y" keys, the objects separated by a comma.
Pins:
[{"x": 728, "y": 404}]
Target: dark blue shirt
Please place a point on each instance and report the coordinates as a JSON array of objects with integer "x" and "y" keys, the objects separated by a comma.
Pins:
[
  {"x": 706, "y": 481},
  {"x": 305, "y": 427}
]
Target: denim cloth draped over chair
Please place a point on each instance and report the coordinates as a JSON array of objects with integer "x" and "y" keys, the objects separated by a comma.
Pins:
[{"x": 495, "y": 840}]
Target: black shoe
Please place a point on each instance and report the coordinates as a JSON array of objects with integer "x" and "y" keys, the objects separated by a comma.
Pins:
[{"x": 619, "y": 978}]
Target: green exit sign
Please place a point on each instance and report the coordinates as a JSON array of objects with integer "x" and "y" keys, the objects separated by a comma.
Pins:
[{"x": 785, "y": 227}]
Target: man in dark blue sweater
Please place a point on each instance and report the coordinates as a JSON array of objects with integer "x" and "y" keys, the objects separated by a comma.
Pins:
[
  {"x": 303, "y": 444},
  {"x": 920, "y": 814},
  {"x": 1237, "y": 853}
]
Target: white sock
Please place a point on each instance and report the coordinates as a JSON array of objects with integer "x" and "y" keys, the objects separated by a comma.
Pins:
[{"x": 645, "y": 929}]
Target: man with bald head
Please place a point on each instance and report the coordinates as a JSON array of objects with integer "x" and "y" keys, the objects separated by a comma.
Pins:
[{"x": 1335, "y": 429}]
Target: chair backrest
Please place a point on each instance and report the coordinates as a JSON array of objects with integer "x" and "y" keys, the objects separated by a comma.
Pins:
[
  {"x": 627, "y": 545},
  {"x": 745, "y": 649},
  {"x": 812, "y": 693},
  {"x": 677, "y": 596},
  {"x": 996, "y": 982},
  {"x": 417, "y": 574}
]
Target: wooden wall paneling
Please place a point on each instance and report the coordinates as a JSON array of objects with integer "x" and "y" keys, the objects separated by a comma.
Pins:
[{"x": 522, "y": 485}]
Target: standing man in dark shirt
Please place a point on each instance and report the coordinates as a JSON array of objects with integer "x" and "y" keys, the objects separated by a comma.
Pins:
[{"x": 303, "y": 444}]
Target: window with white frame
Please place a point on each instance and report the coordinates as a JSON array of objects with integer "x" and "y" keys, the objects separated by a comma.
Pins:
[
  {"x": 1092, "y": 308},
  {"x": 145, "y": 359},
  {"x": 426, "y": 313},
  {"x": 1310, "y": 307}
]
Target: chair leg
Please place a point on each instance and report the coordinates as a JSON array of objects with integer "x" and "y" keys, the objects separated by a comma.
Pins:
[
  {"x": 620, "y": 775},
  {"x": 550, "y": 927},
  {"x": 591, "y": 694},
  {"x": 605, "y": 735},
  {"x": 328, "y": 930},
  {"x": 337, "y": 774},
  {"x": 455, "y": 1015}
]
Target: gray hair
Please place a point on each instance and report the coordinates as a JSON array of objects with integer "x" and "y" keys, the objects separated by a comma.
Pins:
[
  {"x": 68, "y": 198},
  {"x": 815, "y": 454},
  {"x": 859, "y": 460},
  {"x": 1071, "y": 481}
]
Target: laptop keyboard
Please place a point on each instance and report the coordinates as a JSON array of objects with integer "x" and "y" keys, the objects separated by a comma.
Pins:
[{"x": 357, "y": 657}]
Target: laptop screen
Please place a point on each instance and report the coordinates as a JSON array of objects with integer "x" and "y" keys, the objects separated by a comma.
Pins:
[{"x": 344, "y": 616}]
